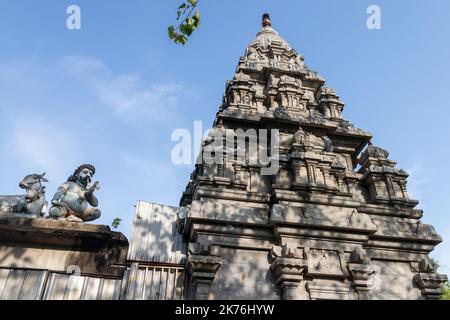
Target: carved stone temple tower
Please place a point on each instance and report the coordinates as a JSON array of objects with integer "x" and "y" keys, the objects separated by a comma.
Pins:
[{"x": 333, "y": 222}]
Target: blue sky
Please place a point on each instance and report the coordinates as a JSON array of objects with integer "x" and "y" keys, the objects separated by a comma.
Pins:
[{"x": 112, "y": 93}]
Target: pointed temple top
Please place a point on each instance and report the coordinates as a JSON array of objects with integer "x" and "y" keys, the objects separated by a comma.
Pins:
[{"x": 267, "y": 35}]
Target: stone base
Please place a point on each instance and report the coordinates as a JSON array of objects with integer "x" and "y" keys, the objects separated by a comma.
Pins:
[{"x": 61, "y": 246}]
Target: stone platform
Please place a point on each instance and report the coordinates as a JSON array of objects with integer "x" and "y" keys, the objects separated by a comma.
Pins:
[{"x": 59, "y": 246}]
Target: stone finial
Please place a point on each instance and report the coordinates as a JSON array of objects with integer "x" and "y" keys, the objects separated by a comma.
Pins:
[{"x": 266, "y": 20}]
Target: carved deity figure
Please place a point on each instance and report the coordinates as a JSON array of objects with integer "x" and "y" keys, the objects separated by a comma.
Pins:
[
  {"x": 252, "y": 54},
  {"x": 303, "y": 137},
  {"x": 299, "y": 60},
  {"x": 32, "y": 204},
  {"x": 71, "y": 201}
]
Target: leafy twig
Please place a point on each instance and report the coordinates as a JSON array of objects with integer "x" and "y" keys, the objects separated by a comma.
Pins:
[
  {"x": 189, "y": 20},
  {"x": 116, "y": 223}
]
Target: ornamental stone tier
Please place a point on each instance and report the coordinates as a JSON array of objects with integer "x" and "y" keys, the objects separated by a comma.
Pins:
[{"x": 335, "y": 221}]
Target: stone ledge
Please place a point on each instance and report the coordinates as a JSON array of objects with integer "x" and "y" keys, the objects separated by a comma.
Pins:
[{"x": 57, "y": 245}]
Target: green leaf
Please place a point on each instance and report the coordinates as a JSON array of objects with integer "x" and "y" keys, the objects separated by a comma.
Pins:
[
  {"x": 183, "y": 5},
  {"x": 196, "y": 18},
  {"x": 187, "y": 29},
  {"x": 193, "y": 2},
  {"x": 181, "y": 39},
  {"x": 172, "y": 33},
  {"x": 116, "y": 223}
]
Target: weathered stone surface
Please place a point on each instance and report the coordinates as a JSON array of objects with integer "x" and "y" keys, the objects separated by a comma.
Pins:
[
  {"x": 202, "y": 267},
  {"x": 288, "y": 266},
  {"x": 30, "y": 205},
  {"x": 61, "y": 246}
]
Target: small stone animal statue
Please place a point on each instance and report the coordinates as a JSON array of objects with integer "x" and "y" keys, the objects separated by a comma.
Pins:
[
  {"x": 31, "y": 205},
  {"x": 72, "y": 199}
]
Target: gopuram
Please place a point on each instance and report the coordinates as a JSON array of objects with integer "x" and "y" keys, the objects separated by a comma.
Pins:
[{"x": 288, "y": 200}]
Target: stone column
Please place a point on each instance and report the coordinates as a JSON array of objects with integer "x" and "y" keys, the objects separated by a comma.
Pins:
[
  {"x": 202, "y": 267},
  {"x": 288, "y": 266},
  {"x": 360, "y": 271},
  {"x": 429, "y": 282}
]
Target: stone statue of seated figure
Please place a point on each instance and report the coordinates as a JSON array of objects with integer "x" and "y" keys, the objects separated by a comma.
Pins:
[{"x": 71, "y": 201}]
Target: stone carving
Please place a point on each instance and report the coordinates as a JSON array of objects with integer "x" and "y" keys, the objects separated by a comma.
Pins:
[
  {"x": 328, "y": 90},
  {"x": 240, "y": 76},
  {"x": 376, "y": 152},
  {"x": 289, "y": 79},
  {"x": 350, "y": 128},
  {"x": 305, "y": 138},
  {"x": 73, "y": 197},
  {"x": 258, "y": 89},
  {"x": 281, "y": 113},
  {"x": 299, "y": 62},
  {"x": 309, "y": 95},
  {"x": 359, "y": 256},
  {"x": 202, "y": 267},
  {"x": 288, "y": 265},
  {"x": 339, "y": 162},
  {"x": 324, "y": 262},
  {"x": 314, "y": 76},
  {"x": 252, "y": 54},
  {"x": 428, "y": 281},
  {"x": 316, "y": 117},
  {"x": 32, "y": 204},
  {"x": 360, "y": 272}
]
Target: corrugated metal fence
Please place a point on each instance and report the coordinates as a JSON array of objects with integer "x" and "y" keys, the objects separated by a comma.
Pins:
[
  {"x": 18, "y": 284},
  {"x": 145, "y": 283}
]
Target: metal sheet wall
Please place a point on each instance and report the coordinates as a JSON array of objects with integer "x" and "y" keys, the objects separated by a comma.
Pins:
[
  {"x": 73, "y": 287},
  {"x": 155, "y": 283},
  {"x": 19, "y": 284}
]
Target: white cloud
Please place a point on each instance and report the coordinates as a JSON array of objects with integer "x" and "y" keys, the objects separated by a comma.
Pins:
[
  {"x": 41, "y": 146},
  {"x": 126, "y": 94}
]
